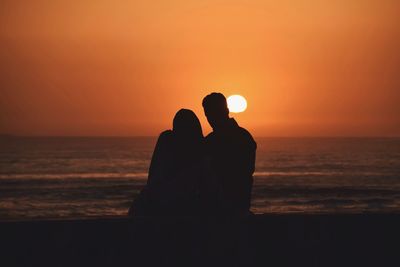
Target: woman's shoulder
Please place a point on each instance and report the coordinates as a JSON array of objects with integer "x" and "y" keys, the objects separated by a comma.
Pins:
[
  {"x": 165, "y": 140},
  {"x": 165, "y": 135}
]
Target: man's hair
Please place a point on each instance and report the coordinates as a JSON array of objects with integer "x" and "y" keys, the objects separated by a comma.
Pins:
[{"x": 215, "y": 101}]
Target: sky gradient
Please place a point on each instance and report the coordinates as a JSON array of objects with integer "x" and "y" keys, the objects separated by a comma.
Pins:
[{"x": 306, "y": 68}]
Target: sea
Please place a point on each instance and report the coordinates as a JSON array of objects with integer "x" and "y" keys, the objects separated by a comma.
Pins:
[{"x": 78, "y": 177}]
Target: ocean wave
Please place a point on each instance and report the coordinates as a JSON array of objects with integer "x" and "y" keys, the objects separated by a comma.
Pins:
[
  {"x": 295, "y": 173},
  {"x": 73, "y": 175},
  {"x": 291, "y": 190},
  {"x": 352, "y": 173}
]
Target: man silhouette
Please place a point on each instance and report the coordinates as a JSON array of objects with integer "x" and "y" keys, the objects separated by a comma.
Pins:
[{"x": 231, "y": 151}]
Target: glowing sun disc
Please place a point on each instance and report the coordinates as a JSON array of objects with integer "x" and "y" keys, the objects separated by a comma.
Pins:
[{"x": 236, "y": 103}]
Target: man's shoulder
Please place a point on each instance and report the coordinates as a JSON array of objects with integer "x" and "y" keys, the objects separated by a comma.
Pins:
[
  {"x": 210, "y": 138},
  {"x": 238, "y": 134},
  {"x": 246, "y": 135}
]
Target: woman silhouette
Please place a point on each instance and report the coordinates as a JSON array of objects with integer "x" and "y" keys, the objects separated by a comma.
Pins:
[{"x": 175, "y": 172}]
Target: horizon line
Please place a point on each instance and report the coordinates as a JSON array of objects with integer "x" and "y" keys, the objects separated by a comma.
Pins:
[{"x": 154, "y": 136}]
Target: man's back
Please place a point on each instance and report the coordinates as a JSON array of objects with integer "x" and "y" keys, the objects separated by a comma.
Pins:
[{"x": 231, "y": 151}]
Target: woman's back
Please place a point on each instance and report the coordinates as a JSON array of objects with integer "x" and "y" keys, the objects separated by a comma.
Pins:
[
  {"x": 176, "y": 170},
  {"x": 174, "y": 175}
]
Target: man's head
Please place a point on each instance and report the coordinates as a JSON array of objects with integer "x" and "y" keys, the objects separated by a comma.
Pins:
[{"x": 216, "y": 109}]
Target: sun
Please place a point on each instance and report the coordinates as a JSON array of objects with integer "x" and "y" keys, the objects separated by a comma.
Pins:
[{"x": 236, "y": 103}]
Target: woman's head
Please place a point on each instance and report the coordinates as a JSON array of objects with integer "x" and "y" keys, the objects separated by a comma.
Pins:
[{"x": 186, "y": 125}]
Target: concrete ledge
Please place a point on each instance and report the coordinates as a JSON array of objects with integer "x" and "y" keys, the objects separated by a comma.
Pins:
[{"x": 260, "y": 240}]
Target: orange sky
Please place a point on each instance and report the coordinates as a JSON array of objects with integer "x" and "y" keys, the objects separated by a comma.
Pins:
[{"x": 307, "y": 68}]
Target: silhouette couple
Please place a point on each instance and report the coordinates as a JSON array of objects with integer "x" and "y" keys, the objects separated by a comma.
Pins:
[{"x": 193, "y": 175}]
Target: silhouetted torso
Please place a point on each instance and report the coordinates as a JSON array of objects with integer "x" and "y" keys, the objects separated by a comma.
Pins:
[
  {"x": 174, "y": 176},
  {"x": 231, "y": 152}
]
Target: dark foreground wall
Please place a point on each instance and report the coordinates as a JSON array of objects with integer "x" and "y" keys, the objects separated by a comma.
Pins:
[{"x": 262, "y": 240}]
